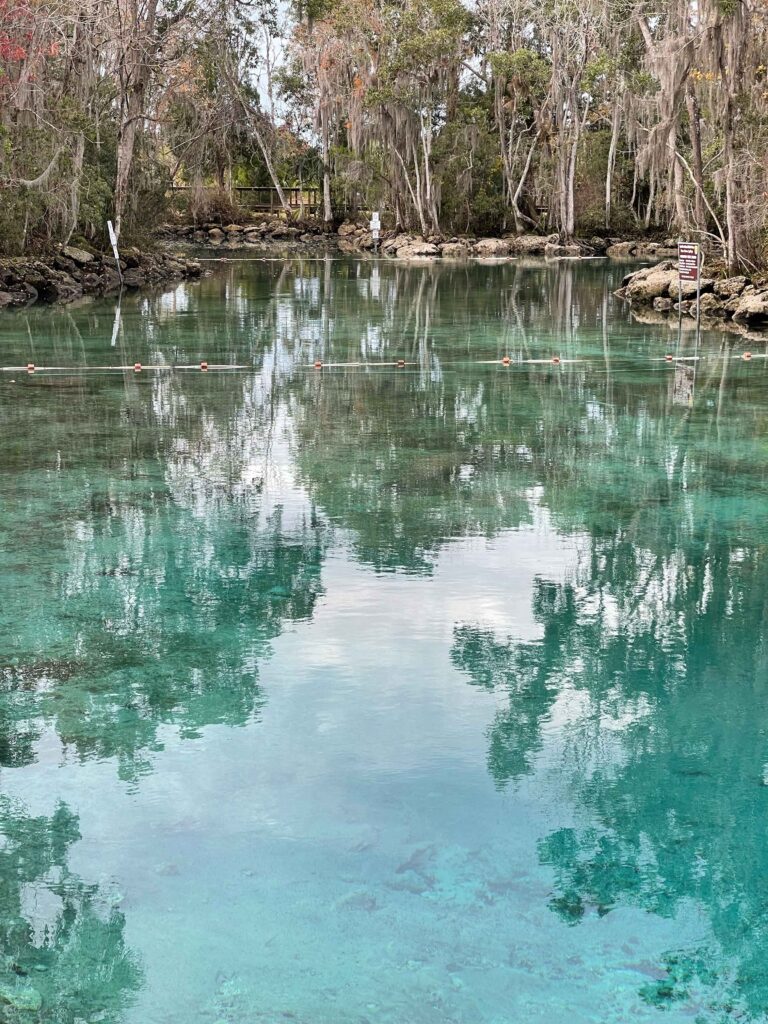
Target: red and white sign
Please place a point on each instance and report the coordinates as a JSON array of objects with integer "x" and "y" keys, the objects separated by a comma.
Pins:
[{"x": 688, "y": 260}]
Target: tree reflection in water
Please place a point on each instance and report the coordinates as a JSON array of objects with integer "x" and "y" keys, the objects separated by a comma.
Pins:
[
  {"x": 175, "y": 565},
  {"x": 63, "y": 954}
]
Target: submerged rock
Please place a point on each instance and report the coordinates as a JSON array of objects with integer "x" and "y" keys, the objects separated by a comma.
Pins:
[{"x": 24, "y": 998}]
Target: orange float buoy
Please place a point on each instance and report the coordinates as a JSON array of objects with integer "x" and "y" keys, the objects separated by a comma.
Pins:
[
  {"x": 30, "y": 367},
  {"x": 668, "y": 357},
  {"x": 747, "y": 355},
  {"x": 318, "y": 365},
  {"x": 556, "y": 360},
  {"x": 203, "y": 366},
  {"x": 401, "y": 363},
  {"x": 506, "y": 361},
  {"x": 137, "y": 367}
]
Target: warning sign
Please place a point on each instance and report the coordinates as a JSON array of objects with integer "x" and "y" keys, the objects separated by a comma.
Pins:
[{"x": 688, "y": 260}]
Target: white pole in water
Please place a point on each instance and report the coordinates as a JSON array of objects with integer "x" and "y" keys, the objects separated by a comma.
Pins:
[
  {"x": 113, "y": 240},
  {"x": 375, "y": 226}
]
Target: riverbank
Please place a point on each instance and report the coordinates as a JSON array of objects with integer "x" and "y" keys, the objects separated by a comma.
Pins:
[
  {"x": 70, "y": 273},
  {"x": 274, "y": 234},
  {"x": 738, "y": 301}
]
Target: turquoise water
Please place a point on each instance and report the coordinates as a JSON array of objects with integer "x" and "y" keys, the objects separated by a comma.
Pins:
[{"x": 377, "y": 694}]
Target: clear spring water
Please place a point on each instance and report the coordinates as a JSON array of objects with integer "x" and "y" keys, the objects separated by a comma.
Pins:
[{"x": 399, "y": 696}]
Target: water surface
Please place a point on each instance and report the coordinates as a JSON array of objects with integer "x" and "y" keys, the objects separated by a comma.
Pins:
[{"x": 375, "y": 694}]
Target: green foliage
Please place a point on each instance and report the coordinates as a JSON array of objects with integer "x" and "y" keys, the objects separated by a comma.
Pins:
[
  {"x": 526, "y": 68},
  {"x": 467, "y": 156}
]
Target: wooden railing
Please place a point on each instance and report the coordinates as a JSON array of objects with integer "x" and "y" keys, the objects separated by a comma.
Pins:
[{"x": 265, "y": 197}]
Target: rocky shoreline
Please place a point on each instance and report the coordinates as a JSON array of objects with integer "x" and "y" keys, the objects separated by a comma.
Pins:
[
  {"x": 71, "y": 273},
  {"x": 268, "y": 234},
  {"x": 354, "y": 238},
  {"x": 265, "y": 234},
  {"x": 739, "y": 300}
]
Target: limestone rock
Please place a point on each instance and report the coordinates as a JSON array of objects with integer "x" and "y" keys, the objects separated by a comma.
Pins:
[
  {"x": 711, "y": 305},
  {"x": 134, "y": 278},
  {"x": 90, "y": 282},
  {"x": 396, "y": 242},
  {"x": 346, "y": 229},
  {"x": 688, "y": 288},
  {"x": 620, "y": 249},
  {"x": 752, "y": 309},
  {"x": 491, "y": 247},
  {"x": 417, "y": 249},
  {"x": 78, "y": 256},
  {"x": 553, "y": 250},
  {"x": 454, "y": 250},
  {"x": 662, "y": 304},
  {"x": 730, "y": 286},
  {"x": 644, "y": 249},
  {"x": 532, "y": 245},
  {"x": 6, "y": 299},
  {"x": 652, "y": 285},
  {"x": 215, "y": 236}
]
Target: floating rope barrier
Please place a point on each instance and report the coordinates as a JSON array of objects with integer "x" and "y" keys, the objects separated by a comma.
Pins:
[
  {"x": 399, "y": 364},
  {"x": 136, "y": 367}
]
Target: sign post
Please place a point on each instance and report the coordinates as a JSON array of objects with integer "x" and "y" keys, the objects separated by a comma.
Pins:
[
  {"x": 375, "y": 226},
  {"x": 113, "y": 240},
  {"x": 689, "y": 269}
]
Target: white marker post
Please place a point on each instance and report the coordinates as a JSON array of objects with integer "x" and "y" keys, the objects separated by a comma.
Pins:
[
  {"x": 375, "y": 226},
  {"x": 113, "y": 240}
]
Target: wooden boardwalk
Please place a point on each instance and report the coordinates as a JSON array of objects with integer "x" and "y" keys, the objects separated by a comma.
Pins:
[{"x": 265, "y": 197}]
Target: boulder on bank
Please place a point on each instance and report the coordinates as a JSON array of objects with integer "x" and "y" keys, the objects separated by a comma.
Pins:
[
  {"x": 650, "y": 283},
  {"x": 713, "y": 306},
  {"x": 454, "y": 250},
  {"x": 532, "y": 245},
  {"x": 492, "y": 247},
  {"x": 752, "y": 309},
  {"x": 688, "y": 289},
  {"x": 553, "y": 250},
  {"x": 730, "y": 286},
  {"x": 417, "y": 249},
  {"x": 78, "y": 256},
  {"x": 620, "y": 249}
]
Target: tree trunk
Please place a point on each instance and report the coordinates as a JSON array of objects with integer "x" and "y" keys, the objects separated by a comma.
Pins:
[
  {"x": 615, "y": 124},
  {"x": 700, "y": 212},
  {"x": 327, "y": 208},
  {"x": 74, "y": 188}
]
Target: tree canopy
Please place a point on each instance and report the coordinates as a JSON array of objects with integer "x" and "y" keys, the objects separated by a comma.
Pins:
[{"x": 450, "y": 117}]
